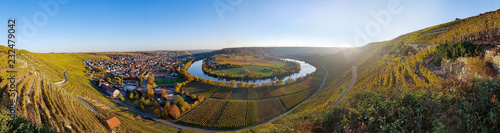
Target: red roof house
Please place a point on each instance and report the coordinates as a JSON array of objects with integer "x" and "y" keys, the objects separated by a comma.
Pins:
[{"x": 112, "y": 123}]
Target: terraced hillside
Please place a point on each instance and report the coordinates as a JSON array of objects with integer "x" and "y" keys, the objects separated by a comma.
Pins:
[
  {"x": 60, "y": 108},
  {"x": 400, "y": 88}
]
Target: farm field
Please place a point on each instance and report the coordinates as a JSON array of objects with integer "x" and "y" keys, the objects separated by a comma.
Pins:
[
  {"x": 294, "y": 99},
  {"x": 268, "y": 108},
  {"x": 206, "y": 114},
  {"x": 200, "y": 89},
  {"x": 247, "y": 60},
  {"x": 253, "y": 66},
  {"x": 168, "y": 81}
]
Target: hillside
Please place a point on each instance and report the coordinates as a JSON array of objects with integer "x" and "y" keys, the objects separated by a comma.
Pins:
[
  {"x": 278, "y": 51},
  {"x": 399, "y": 88},
  {"x": 439, "y": 79},
  {"x": 61, "y": 108}
]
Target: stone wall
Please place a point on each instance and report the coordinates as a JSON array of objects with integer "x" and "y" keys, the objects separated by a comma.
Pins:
[{"x": 493, "y": 56}]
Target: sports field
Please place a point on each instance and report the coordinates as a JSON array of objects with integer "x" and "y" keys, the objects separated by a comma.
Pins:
[{"x": 168, "y": 81}]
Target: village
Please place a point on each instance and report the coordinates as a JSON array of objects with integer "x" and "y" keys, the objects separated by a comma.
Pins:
[{"x": 146, "y": 81}]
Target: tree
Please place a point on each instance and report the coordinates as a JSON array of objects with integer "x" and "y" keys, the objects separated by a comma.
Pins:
[
  {"x": 157, "y": 112},
  {"x": 150, "y": 92},
  {"x": 178, "y": 100},
  {"x": 167, "y": 105},
  {"x": 185, "y": 105},
  {"x": 174, "y": 111},
  {"x": 177, "y": 87},
  {"x": 232, "y": 83},
  {"x": 151, "y": 79},
  {"x": 117, "y": 80},
  {"x": 131, "y": 96},
  {"x": 141, "y": 80},
  {"x": 164, "y": 113},
  {"x": 201, "y": 98},
  {"x": 289, "y": 80}
]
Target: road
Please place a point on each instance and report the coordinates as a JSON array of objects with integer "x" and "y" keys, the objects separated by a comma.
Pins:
[
  {"x": 353, "y": 80},
  {"x": 65, "y": 79},
  {"x": 88, "y": 105},
  {"x": 151, "y": 115}
]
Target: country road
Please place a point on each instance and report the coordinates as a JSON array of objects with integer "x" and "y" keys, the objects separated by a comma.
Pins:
[
  {"x": 88, "y": 105},
  {"x": 65, "y": 79},
  {"x": 353, "y": 80},
  {"x": 151, "y": 115}
]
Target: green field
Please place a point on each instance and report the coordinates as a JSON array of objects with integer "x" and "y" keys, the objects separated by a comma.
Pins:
[
  {"x": 257, "y": 65},
  {"x": 168, "y": 81}
]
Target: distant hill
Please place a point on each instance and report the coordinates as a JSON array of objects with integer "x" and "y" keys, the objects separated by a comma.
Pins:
[{"x": 278, "y": 51}]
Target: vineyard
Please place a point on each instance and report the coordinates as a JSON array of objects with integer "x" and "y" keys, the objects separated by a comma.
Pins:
[
  {"x": 481, "y": 29},
  {"x": 43, "y": 103},
  {"x": 234, "y": 114},
  {"x": 223, "y": 93},
  {"x": 268, "y": 108},
  {"x": 293, "y": 99},
  {"x": 206, "y": 113},
  {"x": 200, "y": 89}
]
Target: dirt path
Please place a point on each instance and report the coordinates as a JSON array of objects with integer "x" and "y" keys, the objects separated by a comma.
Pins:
[
  {"x": 65, "y": 79},
  {"x": 88, "y": 105},
  {"x": 353, "y": 80}
]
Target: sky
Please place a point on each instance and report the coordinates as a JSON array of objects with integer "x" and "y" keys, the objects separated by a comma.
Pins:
[{"x": 139, "y": 25}]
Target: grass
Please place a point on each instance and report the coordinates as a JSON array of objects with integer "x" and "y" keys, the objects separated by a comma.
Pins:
[{"x": 168, "y": 81}]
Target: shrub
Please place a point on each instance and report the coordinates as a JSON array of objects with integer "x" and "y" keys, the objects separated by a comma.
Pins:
[
  {"x": 174, "y": 111},
  {"x": 452, "y": 52}
]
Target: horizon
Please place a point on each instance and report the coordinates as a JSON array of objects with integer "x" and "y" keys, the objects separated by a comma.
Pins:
[{"x": 111, "y": 26}]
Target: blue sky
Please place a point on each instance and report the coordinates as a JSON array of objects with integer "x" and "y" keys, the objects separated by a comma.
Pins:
[{"x": 132, "y": 25}]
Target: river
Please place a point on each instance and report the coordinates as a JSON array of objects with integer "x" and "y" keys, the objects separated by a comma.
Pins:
[{"x": 305, "y": 68}]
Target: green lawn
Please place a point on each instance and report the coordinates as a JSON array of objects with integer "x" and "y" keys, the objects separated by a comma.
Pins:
[{"x": 169, "y": 81}]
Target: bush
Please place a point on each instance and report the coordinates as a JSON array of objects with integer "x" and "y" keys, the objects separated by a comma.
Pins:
[
  {"x": 174, "y": 111},
  {"x": 452, "y": 52},
  {"x": 179, "y": 100}
]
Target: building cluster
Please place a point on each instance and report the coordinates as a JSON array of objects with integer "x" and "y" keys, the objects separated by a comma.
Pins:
[
  {"x": 130, "y": 68},
  {"x": 140, "y": 65}
]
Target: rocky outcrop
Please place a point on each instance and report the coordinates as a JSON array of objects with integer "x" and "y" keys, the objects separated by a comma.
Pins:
[
  {"x": 461, "y": 69},
  {"x": 493, "y": 56}
]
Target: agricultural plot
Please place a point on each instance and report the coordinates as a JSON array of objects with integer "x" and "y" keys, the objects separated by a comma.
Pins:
[
  {"x": 200, "y": 89},
  {"x": 207, "y": 113},
  {"x": 239, "y": 94},
  {"x": 234, "y": 114},
  {"x": 223, "y": 93},
  {"x": 252, "y": 112},
  {"x": 268, "y": 108},
  {"x": 292, "y": 88},
  {"x": 255, "y": 93},
  {"x": 293, "y": 99},
  {"x": 253, "y": 67}
]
